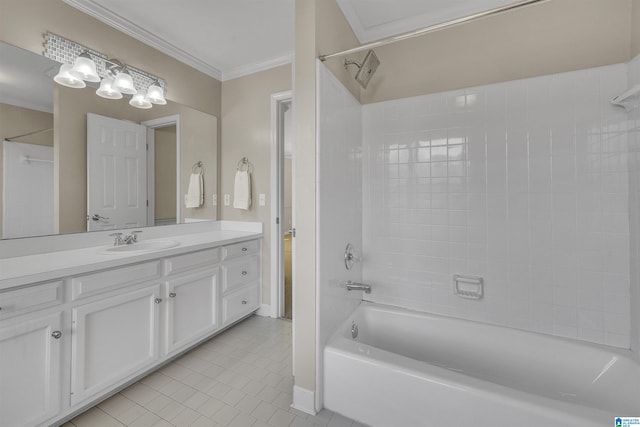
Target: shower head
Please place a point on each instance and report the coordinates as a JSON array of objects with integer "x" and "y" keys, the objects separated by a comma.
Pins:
[{"x": 366, "y": 69}]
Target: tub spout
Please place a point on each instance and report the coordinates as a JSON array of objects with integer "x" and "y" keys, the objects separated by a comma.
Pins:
[{"x": 352, "y": 286}]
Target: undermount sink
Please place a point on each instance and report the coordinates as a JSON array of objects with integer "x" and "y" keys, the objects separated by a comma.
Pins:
[{"x": 140, "y": 247}]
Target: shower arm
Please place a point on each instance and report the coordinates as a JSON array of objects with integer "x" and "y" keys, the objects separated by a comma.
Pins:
[
  {"x": 347, "y": 63},
  {"x": 432, "y": 28}
]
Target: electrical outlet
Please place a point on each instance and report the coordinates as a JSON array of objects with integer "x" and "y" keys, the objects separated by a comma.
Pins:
[
  {"x": 262, "y": 199},
  {"x": 215, "y": 200},
  {"x": 227, "y": 199}
]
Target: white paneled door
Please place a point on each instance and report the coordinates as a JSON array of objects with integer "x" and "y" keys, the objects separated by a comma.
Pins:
[{"x": 116, "y": 174}]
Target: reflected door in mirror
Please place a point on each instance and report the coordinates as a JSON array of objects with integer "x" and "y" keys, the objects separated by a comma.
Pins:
[{"x": 116, "y": 174}]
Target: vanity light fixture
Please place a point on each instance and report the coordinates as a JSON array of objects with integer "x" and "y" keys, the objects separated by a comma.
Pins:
[
  {"x": 140, "y": 101},
  {"x": 65, "y": 78},
  {"x": 84, "y": 68},
  {"x": 106, "y": 89},
  {"x": 155, "y": 94},
  {"x": 116, "y": 79}
]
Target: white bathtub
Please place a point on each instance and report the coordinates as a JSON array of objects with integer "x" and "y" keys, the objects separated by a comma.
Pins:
[{"x": 408, "y": 368}]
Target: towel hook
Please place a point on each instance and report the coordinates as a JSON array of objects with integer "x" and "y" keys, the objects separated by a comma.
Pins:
[
  {"x": 197, "y": 167},
  {"x": 244, "y": 162}
]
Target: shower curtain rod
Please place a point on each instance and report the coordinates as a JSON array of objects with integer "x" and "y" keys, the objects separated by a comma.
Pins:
[
  {"x": 431, "y": 28},
  {"x": 28, "y": 134}
]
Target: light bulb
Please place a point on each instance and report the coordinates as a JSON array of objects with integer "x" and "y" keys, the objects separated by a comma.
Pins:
[
  {"x": 65, "y": 78},
  {"x": 84, "y": 68},
  {"x": 106, "y": 89},
  {"x": 155, "y": 94},
  {"x": 139, "y": 101},
  {"x": 124, "y": 83}
]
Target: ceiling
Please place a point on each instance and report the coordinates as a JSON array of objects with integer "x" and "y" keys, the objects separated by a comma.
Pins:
[{"x": 230, "y": 38}]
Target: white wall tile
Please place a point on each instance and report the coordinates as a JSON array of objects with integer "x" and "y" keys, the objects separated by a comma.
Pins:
[{"x": 529, "y": 187}]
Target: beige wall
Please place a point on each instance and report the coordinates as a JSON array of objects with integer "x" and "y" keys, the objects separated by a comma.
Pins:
[
  {"x": 246, "y": 132},
  {"x": 165, "y": 172},
  {"x": 635, "y": 28},
  {"x": 16, "y": 121},
  {"x": 320, "y": 28},
  {"x": 552, "y": 37},
  {"x": 198, "y": 142}
]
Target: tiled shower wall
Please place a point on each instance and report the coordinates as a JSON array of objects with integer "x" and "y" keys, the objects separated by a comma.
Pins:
[
  {"x": 634, "y": 203},
  {"x": 524, "y": 183}
]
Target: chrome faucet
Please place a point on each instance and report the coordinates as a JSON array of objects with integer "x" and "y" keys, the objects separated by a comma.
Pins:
[
  {"x": 118, "y": 241},
  {"x": 352, "y": 286},
  {"x": 126, "y": 240}
]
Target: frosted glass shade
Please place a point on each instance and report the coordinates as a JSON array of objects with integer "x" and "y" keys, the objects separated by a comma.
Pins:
[
  {"x": 106, "y": 89},
  {"x": 84, "y": 68},
  {"x": 65, "y": 78},
  {"x": 124, "y": 83},
  {"x": 155, "y": 94},
  {"x": 139, "y": 101}
]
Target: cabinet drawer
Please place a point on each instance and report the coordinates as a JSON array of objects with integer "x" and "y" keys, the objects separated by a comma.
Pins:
[
  {"x": 240, "y": 249},
  {"x": 240, "y": 303},
  {"x": 180, "y": 263},
  {"x": 240, "y": 272},
  {"x": 92, "y": 284},
  {"x": 31, "y": 298}
]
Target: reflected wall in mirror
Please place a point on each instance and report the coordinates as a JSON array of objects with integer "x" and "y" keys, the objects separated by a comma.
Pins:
[{"x": 56, "y": 116}]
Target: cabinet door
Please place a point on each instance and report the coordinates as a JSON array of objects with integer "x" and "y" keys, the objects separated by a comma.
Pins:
[
  {"x": 30, "y": 370},
  {"x": 113, "y": 340},
  {"x": 192, "y": 308}
]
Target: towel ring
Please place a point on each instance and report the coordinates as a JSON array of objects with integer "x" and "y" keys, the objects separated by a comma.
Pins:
[
  {"x": 197, "y": 167},
  {"x": 244, "y": 162}
]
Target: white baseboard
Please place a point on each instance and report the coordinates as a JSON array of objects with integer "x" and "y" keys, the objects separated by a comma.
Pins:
[
  {"x": 264, "y": 310},
  {"x": 304, "y": 400}
]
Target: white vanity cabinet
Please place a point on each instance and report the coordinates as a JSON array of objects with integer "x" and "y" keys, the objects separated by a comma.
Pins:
[
  {"x": 241, "y": 280},
  {"x": 192, "y": 298},
  {"x": 67, "y": 343},
  {"x": 114, "y": 338},
  {"x": 31, "y": 329}
]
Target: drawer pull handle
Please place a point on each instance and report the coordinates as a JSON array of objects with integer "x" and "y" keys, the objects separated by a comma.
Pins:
[
  {"x": 244, "y": 302},
  {"x": 158, "y": 300},
  {"x": 244, "y": 249},
  {"x": 244, "y": 273},
  {"x": 56, "y": 334},
  {"x": 172, "y": 295}
]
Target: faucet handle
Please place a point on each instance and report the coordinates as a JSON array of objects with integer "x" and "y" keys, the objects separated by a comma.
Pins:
[
  {"x": 118, "y": 237},
  {"x": 134, "y": 235}
]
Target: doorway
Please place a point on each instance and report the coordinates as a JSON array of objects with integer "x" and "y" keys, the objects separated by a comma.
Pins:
[
  {"x": 283, "y": 235},
  {"x": 163, "y": 165}
]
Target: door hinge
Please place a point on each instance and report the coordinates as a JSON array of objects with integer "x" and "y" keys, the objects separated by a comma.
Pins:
[
  {"x": 147, "y": 203},
  {"x": 147, "y": 147},
  {"x": 293, "y": 232},
  {"x": 277, "y": 220}
]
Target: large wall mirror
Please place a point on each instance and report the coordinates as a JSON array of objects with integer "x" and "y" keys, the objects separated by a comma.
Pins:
[{"x": 47, "y": 184}]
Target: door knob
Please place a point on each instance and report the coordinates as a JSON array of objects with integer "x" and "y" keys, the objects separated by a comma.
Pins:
[
  {"x": 244, "y": 302},
  {"x": 172, "y": 295},
  {"x": 56, "y": 334},
  {"x": 97, "y": 217},
  {"x": 158, "y": 300},
  {"x": 244, "y": 273}
]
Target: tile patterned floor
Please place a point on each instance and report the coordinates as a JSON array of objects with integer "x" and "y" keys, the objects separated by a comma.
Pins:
[{"x": 240, "y": 378}]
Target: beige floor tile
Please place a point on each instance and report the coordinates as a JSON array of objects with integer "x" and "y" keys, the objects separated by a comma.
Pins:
[
  {"x": 281, "y": 418},
  {"x": 242, "y": 420},
  {"x": 131, "y": 414},
  {"x": 116, "y": 405},
  {"x": 264, "y": 411},
  {"x": 185, "y": 418},
  {"x": 210, "y": 407},
  {"x": 225, "y": 414},
  {"x": 148, "y": 419}
]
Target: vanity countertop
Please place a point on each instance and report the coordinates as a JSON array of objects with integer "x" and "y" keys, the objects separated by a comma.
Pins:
[{"x": 28, "y": 269}]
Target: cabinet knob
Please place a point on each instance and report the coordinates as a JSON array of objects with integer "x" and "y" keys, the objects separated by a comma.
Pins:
[
  {"x": 56, "y": 334},
  {"x": 244, "y": 249},
  {"x": 158, "y": 300},
  {"x": 244, "y": 273},
  {"x": 172, "y": 295},
  {"x": 244, "y": 302}
]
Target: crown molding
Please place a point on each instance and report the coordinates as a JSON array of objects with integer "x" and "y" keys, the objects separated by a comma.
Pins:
[
  {"x": 256, "y": 67},
  {"x": 92, "y": 8},
  {"x": 45, "y": 108}
]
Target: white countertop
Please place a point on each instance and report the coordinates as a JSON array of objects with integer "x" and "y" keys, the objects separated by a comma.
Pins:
[{"x": 27, "y": 269}]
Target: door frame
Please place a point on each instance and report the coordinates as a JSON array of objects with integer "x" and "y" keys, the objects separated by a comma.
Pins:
[
  {"x": 278, "y": 100},
  {"x": 151, "y": 149}
]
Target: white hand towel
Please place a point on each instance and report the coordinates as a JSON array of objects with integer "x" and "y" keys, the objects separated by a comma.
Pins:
[
  {"x": 195, "y": 194},
  {"x": 242, "y": 190}
]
